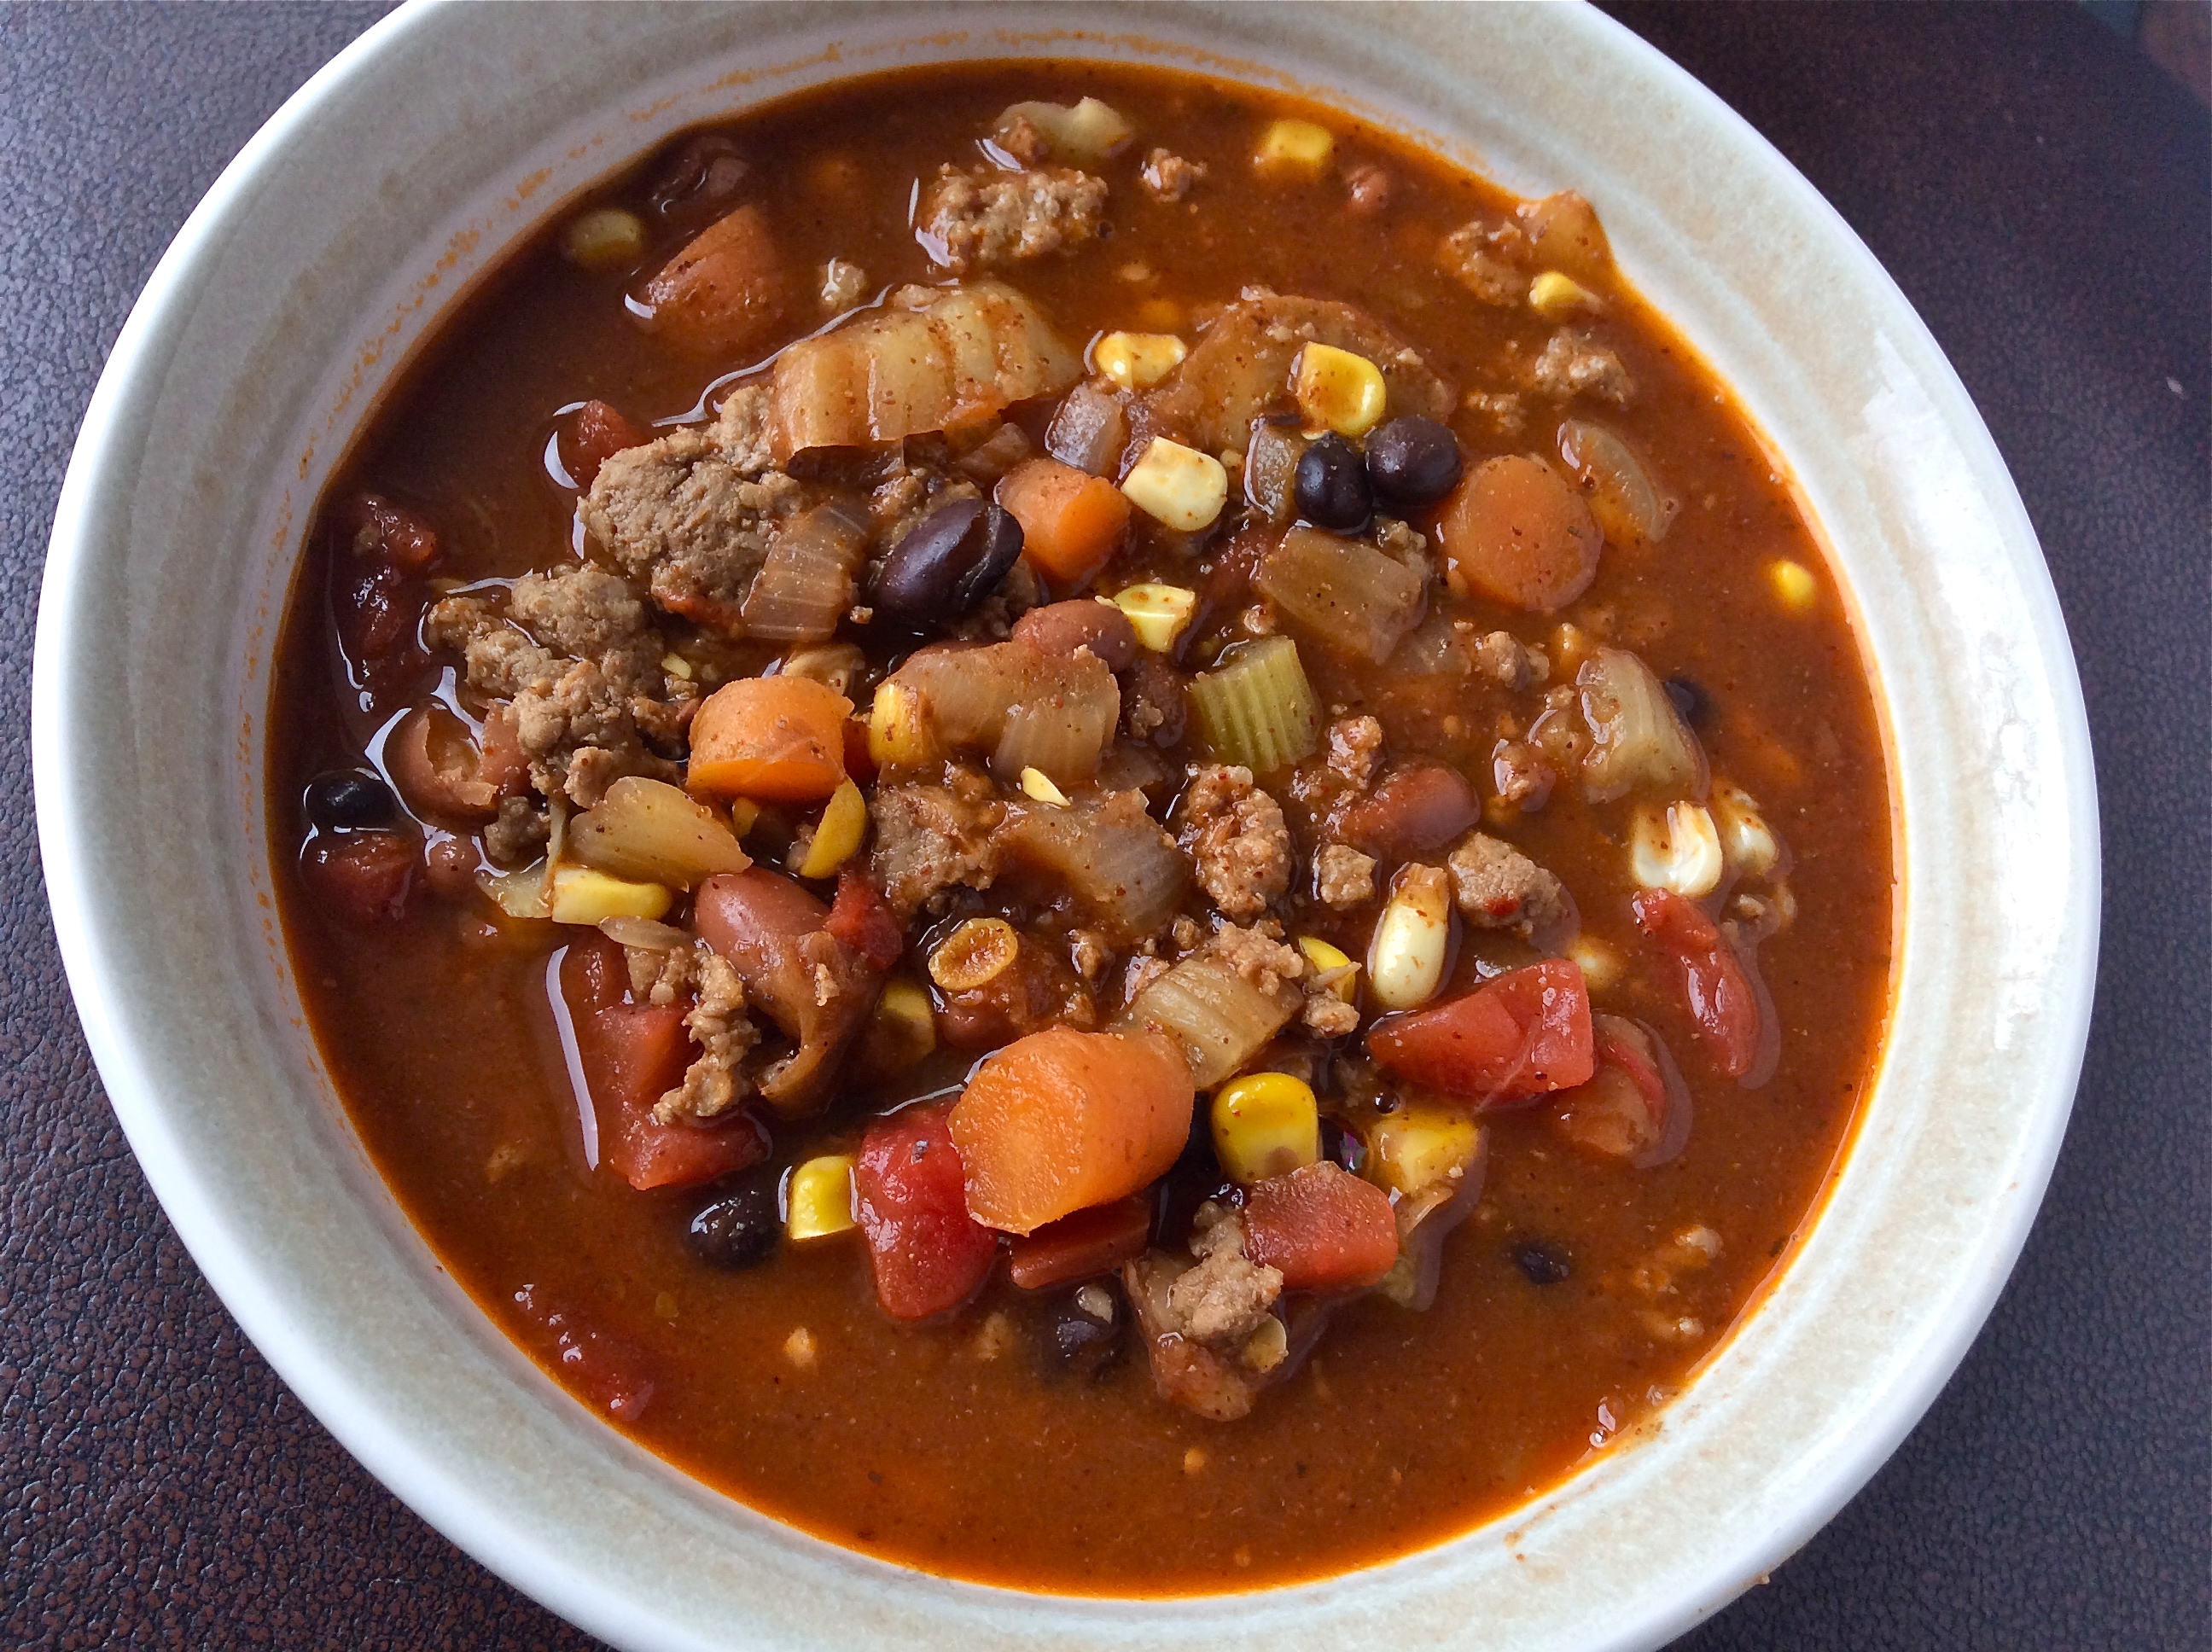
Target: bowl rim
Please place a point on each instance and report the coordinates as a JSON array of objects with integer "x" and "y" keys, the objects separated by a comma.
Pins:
[{"x": 128, "y": 1069}]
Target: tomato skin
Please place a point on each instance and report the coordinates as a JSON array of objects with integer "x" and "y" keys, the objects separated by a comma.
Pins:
[
  {"x": 928, "y": 1254},
  {"x": 594, "y": 434},
  {"x": 1081, "y": 1247},
  {"x": 1323, "y": 1228},
  {"x": 367, "y": 878},
  {"x": 633, "y": 1055},
  {"x": 1511, "y": 1040},
  {"x": 864, "y": 920},
  {"x": 1715, "y": 985}
]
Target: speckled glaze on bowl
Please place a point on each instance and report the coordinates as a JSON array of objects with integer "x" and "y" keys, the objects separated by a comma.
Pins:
[{"x": 331, "y": 246}]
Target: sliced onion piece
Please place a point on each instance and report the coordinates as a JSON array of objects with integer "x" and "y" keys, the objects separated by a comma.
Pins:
[
  {"x": 1637, "y": 737},
  {"x": 1626, "y": 501},
  {"x": 806, "y": 585}
]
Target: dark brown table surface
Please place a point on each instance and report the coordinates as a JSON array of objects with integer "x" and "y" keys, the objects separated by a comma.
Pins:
[{"x": 2041, "y": 191}]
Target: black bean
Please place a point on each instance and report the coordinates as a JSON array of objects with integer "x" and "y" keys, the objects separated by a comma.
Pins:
[
  {"x": 1413, "y": 461},
  {"x": 1689, "y": 698},
  {"x": 348, "y": 798},
  {"x": 1541, "y": 1261},
  {"x": 739, "y": 1227},
  {"x": 1077, "y": 1342},
  {"x": 1331, "y": 484},
  {"x": 953, "y": 558}
]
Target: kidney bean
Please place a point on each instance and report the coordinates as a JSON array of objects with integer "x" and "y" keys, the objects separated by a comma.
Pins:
[
  {"x": 1418, "y": 808},
  {"x": 1061, "y": 628}
]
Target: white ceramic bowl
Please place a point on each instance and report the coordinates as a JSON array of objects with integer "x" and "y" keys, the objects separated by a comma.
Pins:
[{"x": 332, "y": 246}]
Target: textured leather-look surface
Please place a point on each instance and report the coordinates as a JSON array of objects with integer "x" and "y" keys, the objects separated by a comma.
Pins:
[{"x": 2038, "y": 191}]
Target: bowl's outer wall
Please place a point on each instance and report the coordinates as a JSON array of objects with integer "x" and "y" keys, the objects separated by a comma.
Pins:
[{"x": 330, "y": 245}]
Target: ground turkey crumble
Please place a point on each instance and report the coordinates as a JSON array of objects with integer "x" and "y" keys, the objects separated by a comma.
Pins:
[
  {"x": 1238, "y": 845},
  {"x": 723, "y": 1033},
  {"x": 1499, "y": 887},
  {"x": 574, "y": 653},
  {"x": 931, "y": 839},
  {"x": 1343, "y": 876},
  {"x": 1222, "y": 1301},
  {"x": 1572, "y": 364},
  {"x": 1167, "y": 177},
  {"x": 976, "y": 220}
]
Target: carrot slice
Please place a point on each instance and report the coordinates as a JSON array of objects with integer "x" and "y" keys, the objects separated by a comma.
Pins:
[
  {"x": 1082, "y": 1246},
  {"x": 1062, "y": 1120},
  {"x": 1071, "y": 522},
  {"x": 781, "y": 739}
]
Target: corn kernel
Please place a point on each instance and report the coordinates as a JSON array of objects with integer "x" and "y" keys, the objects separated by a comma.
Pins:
[
  {"x": 606, "y": 238},
  {"x": 1794, "y": 583},
  {"x": 974, "y": 954},
  {"x": 817, "y": 1201},
  {"x": 1419, "y": 1146},
  {"x": 844, "y": 821},
  {"x": 1325, "y": 960},
  {"x": 1406, "y": 959},
  {"x": 1680, "y": 850},
  {"x": 1294, "y": 147},
  {"x": 1265, "y": 1125},
  {"x": 581, "y": 895},
  {"x": 1746, "y": 841},
  {"x": 1600, "y": 965},
  {"x": 1177, "y": 485},
  {"x": 1157, "y": 613},
  {"x": 1037, "y": 785},
  {"x": 743, "y": 811},
  {"x": 898, "y": 733},
  {"x": 907, "y": 1024},
  {"x": 1557, "y": 296},
  {"x": 1138, "y": 361},
  {"x": 1338, "y": 391},
  {"x": 675, "y": 666}
]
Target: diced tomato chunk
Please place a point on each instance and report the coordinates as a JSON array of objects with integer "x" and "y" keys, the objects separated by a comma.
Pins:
[
  {"x": 1715, "y": 985},
  {"x": 1082, "y": 1246},
  {"x": 611, "y": 1375},
  {"x": 377, "y": 610},
  {"x": 594, "y": 434},
  {"x": 1510, "y": 1040},
  {"x": 1325, "y": 1229},
  {"x": 385, "y": 535},
  {"x": 367, "y": 877},
  {"x": 864, "y": 920},
  {"x": 633, "y": 1055},
  {"x": 927, "y": 1252}
]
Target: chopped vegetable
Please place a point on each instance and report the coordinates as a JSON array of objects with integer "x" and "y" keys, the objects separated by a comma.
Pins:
[
  {"x": 603, "y": 239},
  {"x": 1062, "y": 1120},
  {"x": 1293, "y": 148},
  {"x": 1255, "y": 709},
  {"x": 1089, "y": 431},
  {"x": 843, "y": 824},
  {"x": 1627, "y": 504},
  {"x": 1071, "y": 522},
  {"x": 444, "y": 773},
  {"x": 1185, "y": 1373},
  {"x": 1746, "y": 840},
  {"x": 818, "y": 1201},
  {"x": 1326, "y": 1230},
  {"x": 1080, "y": 1246},
  {"x": 1563, "y": 232},
  {"x": 806, "y": 585},
  {"x": 899, "y": 734},
  {"x": 1037, "y": 784},
  {"x": 902, "y": 1030},
  {"x": 1557, "y": 297},
  {"x": 863, "y": 921},
  {"x": 1158, "y": 613},
  {"x": 1089, "y": 132},
  {"x": 974, "y": 954},
  {"x": 1264, "y": 1124},
  {"x": 1028, "y": 708},
  {"x": 1338, "y": 391},
  {"x": 928, "y": 1253},
  {"x": 777, "y": 739},
  {"x": 1411, "y": 942},
  {"x": 724, "y": 293},
  {"x": 630, "y": 1055},
  {"x": 591, "y": 436},
  {"x": 1678, "y": 849},
  {"x": 1271, "y": 467},
  {"x": 1178, "y": 486},
  {"x": 581, "y": 895},
  {"x": 1344, "y": 593},
  {"x": 1217, "y": 1018},
  {"x": 1332, "y": 968},
  {"x": 1138, "y": 361},
  {"x": 887, "y": 375},
  {"x": 1422, "y": 1145},
  {"x": 1104, "y": 858},
  {"x": 1516, "y": 1037},
  {"x": 1515, "y": 532},
  {"x": 1716, "y": 986},
  {"x": 651, "y": 831},
  {"x": 1622, "y": 1112},
  {"x": 1637, "y": 738}
]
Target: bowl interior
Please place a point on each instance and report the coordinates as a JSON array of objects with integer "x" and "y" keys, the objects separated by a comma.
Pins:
[{"x": 330, "y": 249}]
